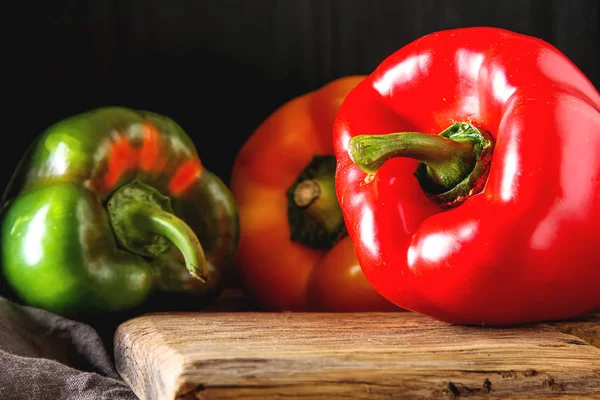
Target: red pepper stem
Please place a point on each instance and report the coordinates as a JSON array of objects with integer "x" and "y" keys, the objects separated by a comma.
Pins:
[
  {"x": 447, "y": 161},
  {"x": 452, "y": 164},
  {"x": 144, "y": 224}
]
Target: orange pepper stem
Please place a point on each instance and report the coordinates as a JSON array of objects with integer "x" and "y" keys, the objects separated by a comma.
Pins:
[
  {"x": 452, "y": 164},
  {"x": 317, "y": 197},
  {"x": 314, "y": 214}
]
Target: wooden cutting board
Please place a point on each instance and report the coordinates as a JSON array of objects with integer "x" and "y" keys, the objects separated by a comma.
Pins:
[{"x": 240, "y": 355}]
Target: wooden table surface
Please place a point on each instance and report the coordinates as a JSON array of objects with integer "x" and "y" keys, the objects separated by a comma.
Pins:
[{"x": 242, "y": 355}]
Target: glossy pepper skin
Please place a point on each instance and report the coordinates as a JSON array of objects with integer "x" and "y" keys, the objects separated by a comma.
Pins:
[
  {"x": 294, "y": 253},
  {"x": 520, "y": 244},
  {"x": 111, "y": 207}
]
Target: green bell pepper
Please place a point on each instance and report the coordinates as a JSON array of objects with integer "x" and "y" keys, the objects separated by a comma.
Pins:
[{"x": 111, "y": 207}]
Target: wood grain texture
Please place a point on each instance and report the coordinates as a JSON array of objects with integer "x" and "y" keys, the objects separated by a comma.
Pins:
[{"x": 239, "y": 355}]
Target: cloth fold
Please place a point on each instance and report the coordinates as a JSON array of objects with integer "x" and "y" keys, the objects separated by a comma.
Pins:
[{"x": 46, "y": 356}]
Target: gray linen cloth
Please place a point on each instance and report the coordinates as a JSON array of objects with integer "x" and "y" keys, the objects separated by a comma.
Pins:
[{"x": 45, "y": 356}]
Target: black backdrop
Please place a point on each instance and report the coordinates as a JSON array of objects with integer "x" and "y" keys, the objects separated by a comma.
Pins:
[{"x": 220, "y": 67}]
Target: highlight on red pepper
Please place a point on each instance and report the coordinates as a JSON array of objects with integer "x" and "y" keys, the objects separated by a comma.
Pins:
[
  {"x": 111, "y": 208},
  {"x": 294, "y": 253},
  {"x": 468, "y": 172}
]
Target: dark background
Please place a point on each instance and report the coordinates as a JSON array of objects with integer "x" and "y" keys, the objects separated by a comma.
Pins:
[{"x": 220, "y": 67}]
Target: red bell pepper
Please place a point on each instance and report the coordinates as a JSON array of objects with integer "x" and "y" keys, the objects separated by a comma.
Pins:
[{"x": 495, "y": 220}]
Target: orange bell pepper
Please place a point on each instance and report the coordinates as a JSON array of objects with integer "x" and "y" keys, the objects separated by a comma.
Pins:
[{"x": 294, "y": 252}]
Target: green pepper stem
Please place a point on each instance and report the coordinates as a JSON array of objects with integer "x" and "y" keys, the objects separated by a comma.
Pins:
[
  {"x": 144, "y": 224},
  {"x": 150, "y": 220},
  {"x": 451, "y": 164}
]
